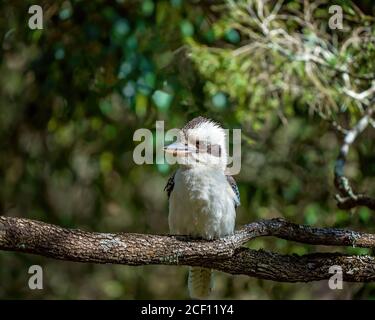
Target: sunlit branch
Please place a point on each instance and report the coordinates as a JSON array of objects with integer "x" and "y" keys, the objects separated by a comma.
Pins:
[
  {"x": 347, "y": 198},
  {"x": 227, "y": 254}
]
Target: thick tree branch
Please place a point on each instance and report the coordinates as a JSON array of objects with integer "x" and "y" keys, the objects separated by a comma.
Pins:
[
  {"x": 227, "y": 255},
  {"x": 347, "y": 199}
]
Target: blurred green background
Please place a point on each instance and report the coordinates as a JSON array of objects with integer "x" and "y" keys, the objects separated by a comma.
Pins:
[{"x": 72, "y": 95}]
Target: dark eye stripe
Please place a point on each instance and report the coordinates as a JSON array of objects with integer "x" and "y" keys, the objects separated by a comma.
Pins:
[{"x": 215, "y": 150}]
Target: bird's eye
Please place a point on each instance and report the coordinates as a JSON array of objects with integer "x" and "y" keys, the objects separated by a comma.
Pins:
[{"x": 197, "y": 144}]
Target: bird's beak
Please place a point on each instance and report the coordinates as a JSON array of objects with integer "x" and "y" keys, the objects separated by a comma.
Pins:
[{"x": 177, "y": 149}]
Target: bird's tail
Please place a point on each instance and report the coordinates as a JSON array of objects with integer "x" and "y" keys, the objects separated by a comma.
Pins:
[{"x": 200, "y": 283}]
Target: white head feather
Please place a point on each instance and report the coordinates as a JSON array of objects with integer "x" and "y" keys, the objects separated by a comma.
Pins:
[{"x": 208, "y": 139}]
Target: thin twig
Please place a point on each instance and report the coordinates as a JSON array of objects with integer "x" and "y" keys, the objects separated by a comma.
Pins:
[{"x": 347, "y": 198}]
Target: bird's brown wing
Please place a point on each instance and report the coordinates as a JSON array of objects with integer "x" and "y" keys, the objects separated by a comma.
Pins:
[
  {"x": 170, "y": 185},
  {"x": 233, "y": 184}
]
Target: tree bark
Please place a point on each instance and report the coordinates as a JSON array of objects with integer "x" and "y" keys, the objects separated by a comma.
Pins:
[{"x": 226, "y": 255}]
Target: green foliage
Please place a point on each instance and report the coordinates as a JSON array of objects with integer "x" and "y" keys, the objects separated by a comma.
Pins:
[{"x": 72, "y": 95}]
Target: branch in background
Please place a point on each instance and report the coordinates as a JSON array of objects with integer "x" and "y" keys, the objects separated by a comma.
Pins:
[
  {"x": 362, "y": 95},
  {"x": 226, "y": 255},
  {"x": 347, "y": 198},
  {"x": 333, "y": 123},
  {"x": 264, "y": 27}
]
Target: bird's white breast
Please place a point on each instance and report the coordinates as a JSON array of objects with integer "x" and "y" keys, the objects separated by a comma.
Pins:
[{"x": 201, "y": 203}]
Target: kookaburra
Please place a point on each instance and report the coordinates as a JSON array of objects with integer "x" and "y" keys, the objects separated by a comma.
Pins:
[{"x": 202, "y": 198}]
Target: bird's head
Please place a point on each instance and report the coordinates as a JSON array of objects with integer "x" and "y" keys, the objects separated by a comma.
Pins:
[{"x": 201, "y": 142}]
